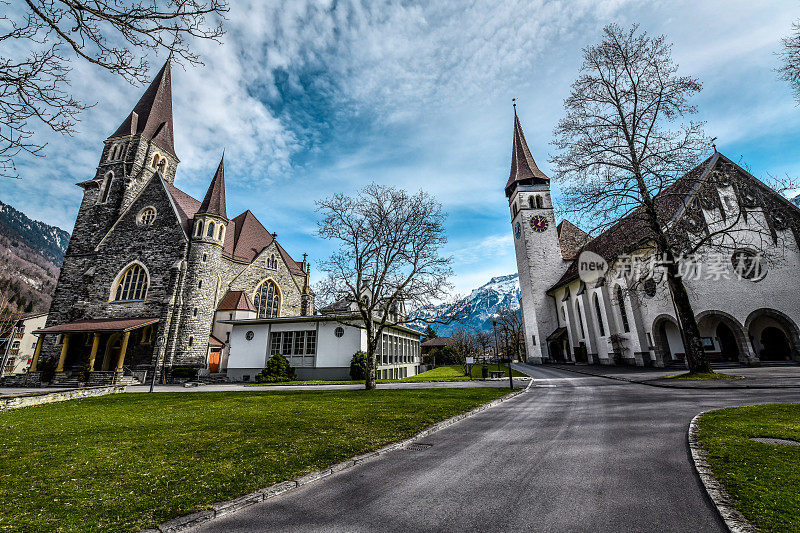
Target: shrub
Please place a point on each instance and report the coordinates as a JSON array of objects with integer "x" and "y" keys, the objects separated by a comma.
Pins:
[
  {"x": 47, "y": 367},
  {"x": 277, "y": 369},
  {"x": 358, "y": 366},
  {"x": 181, "y": 372}
]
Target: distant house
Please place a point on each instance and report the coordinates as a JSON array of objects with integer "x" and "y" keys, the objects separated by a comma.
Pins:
[
  {"x": 17, "y": 349},
  {"x": 436, "y": 342},
  {"x": 319, "y": 346}
]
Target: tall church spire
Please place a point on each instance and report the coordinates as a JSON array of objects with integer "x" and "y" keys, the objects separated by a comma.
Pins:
[
  {"x": 152, "y": 115},
  {"x": 214, "y": 201},
  {"x": 523, "y": 168}
]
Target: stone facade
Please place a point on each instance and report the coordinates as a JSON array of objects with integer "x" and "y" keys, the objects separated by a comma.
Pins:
[{"x": 133, "y": 216}]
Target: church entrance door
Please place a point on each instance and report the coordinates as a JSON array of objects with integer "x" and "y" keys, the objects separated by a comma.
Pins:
[
  {"x": 729, "y": 350},
  {"x": 776, "y": 345},
  {"x": 213, "y": 361},
  {"x": 113, "y": 347}
]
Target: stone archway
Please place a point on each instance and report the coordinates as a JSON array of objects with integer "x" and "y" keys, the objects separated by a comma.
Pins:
[
  {"x": 667, "y": 339},
  {"x": 726, "y": 334},
  {"x": 773, "y": 335},
  {"x": 113, "y": 347}
]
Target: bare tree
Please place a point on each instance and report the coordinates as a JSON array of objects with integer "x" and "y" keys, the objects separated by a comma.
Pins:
[
  {"x": 388, "y": 259},
  {"x": 40, "y": 37},
  {"x": 617, "y": 151},
  {"x": 511, "y": 330},
  {"x": 790, "y": 70},
  {"x": 484, "y": 340},
  {"x": 9, "y": 316},
  {"x": 464, "y": 346}
]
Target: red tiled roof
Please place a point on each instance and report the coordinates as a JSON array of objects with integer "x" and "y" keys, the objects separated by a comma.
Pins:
[
  {"x": 523, "y": 167},
  {"x": 571, "y": 239},
  {"x": 214, "y": 201},
  {"x": 235, "y": 301},
  {"x": 99, "y": 324},
  {"x": 213, "y": 341},
  {"x": 632, "y": 230},
  {"x": 153, "y": 113},
  {"x": 250, "y": 238},
  {"x": 187, "y": 206}
]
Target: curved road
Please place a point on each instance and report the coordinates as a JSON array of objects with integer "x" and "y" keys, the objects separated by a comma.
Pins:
[{"x": 575, "y": 453}]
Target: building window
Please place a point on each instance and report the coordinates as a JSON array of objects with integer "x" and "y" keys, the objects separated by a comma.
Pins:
[
  {"x": 132, "y": 285},
  {"x": 194, "y": 312},
  {"x": 205, "y": 257},
  {"x": 600, "y": 325},
  {"x": 267, "y": 300},
  {"x": 146, "y": 216},
  {"x": 210, "y": 232},
  {"x": 539, "y": 203},
  {"x": 530, "y": 202},
  {"x": 580, "y": 318},
  {"x": 191, "y": 341},
  {"x": 200, "y": 284},
  {"x": 106, "y": 187},
  {"x": 199, "y": 229},
  {"x": 220, "y": 232},
  {"x": 623, "y": 313},
  {"x": 339, "y": 332},
  {"x": 747, "y": 265},
  {"x": 298, "y": 347},
  {"x": 650, "y": 287}
]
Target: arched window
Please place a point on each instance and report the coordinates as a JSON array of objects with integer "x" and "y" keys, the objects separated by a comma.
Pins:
[
  {"x": 514, "y": 208},
  {"x": 539, "y": 203},
  {"x": 622, "y": 312},
  {"x": 132, "y": 284},
  {"x": 199, "y": 229},
  {"x": 191, "y": 341},
  {"x": 156, "y": 159},
  {"x": 107, "y": 179},
  {"x": 267, "y": 300},
  {"x": 600, "y": 325},
  {"x": 530, "y": 202},
  {"x": 210, "y": 232},
  {"x": 580, "y": 318},
  {"x": 220, "y": 232}
]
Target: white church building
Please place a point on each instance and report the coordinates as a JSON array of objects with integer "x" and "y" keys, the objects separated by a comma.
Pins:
[{"x": 746, "y": 299}]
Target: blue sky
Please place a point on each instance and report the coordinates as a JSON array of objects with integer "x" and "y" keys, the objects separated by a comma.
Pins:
[{"x": 313, "y": 98}]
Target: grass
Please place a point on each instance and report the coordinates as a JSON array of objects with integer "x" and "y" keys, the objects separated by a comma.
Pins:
[
  {"x": 763, "y": 478},
  {"x": 456, "y": 373},
  {"x": 704, "y": 376},
  {"x": 130, "y": 461}
]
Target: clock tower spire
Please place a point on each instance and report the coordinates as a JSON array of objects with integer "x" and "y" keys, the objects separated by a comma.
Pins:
[{"x": 539, "y": 260}]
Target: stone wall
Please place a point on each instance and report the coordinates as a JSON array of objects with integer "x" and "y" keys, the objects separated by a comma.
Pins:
[{"x": 27, "y": 400}]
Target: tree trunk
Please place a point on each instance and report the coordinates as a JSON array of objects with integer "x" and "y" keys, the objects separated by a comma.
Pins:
[
  {"x": 692, "y": 342},
  {"x": 369, "y": 379}
]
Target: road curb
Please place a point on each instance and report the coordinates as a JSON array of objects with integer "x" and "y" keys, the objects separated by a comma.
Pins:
[
  {"x": 227, "y": 507},
  {"x": 723, "y": 501},
  {"x": 650, "y": 383}
]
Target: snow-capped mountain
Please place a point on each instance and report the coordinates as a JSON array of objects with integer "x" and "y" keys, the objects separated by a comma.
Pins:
[
  {"x": 31, "y": 253},
  {"x": 481, "y": 304}
]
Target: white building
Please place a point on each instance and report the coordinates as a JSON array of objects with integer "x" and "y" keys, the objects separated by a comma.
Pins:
[
  {"x": 318, "y": 346},
  {"x": 627, "y": 319},
  {"x": 18, "y": 351}
]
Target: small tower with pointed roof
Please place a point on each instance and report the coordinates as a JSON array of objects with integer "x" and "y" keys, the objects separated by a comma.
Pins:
[{"x": 539, "y": 260}]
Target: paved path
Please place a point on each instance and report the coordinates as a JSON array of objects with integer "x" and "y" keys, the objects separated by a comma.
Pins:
[
  {"x": 239, "y": 387},
  {"x": 575, "y": 453}
]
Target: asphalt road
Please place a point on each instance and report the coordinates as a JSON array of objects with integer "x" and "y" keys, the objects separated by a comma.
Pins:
[{"x": 575, "y": 453}]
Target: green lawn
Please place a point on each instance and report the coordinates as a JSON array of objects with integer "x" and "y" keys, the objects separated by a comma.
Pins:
[
  {"x": 763, "y": 478},
  {"x": 704, "y": 376},
  {"x": 456, "y": 373},
  {"x": 129, "y": 461}
]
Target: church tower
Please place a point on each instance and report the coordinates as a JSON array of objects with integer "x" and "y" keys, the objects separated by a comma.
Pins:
[
  {"x": 539, "y": 260},
  {"x": 202, "y": 286}
]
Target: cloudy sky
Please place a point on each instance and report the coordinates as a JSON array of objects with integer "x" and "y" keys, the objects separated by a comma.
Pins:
[{"x": 312, "y": 98}]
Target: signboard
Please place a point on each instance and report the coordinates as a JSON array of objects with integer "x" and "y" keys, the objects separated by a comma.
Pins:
[{"x": 470, "y": 360}]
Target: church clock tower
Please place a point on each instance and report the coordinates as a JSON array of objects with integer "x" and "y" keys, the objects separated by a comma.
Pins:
[{"x": 539, "y": 260}]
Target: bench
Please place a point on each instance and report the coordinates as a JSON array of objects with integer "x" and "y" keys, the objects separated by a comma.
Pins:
[{"x": 497, "y": 373}]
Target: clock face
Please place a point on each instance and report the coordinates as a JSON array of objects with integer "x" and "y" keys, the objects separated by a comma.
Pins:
[
  {"x": 517, "y": 230},
  {"x": 539, "y": 223}
]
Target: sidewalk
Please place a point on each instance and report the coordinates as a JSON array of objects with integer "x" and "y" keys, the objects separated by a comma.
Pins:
[{"x": 761, "y": 377}]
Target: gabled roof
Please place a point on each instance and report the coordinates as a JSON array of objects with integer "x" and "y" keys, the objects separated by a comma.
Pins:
[
  {"x": 631, "y": 231},
  {"x": 250, "y": 238},
  {"x": 571, "y": 239},
  {"x": 236, "y": 301},
  {"x": 214, "y": 201},
  {"x": 523, "y": 167},
  {"x": 152, "y": 115},
  {"x": 186, "y": 205}
]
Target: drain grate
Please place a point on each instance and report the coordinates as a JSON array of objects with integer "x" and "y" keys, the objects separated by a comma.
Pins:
[
  {"x": 770, "y": 440},
  {"x": 418, "y": 446}
]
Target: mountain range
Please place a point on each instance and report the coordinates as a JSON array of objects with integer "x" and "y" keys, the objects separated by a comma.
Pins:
[
  {"x": 480, "y": 305},
  {"x": 31, "y": 253}
]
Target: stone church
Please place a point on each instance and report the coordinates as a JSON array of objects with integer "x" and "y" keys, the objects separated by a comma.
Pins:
[
  {"x": 744, "y": 293},
  {"x": 150, "y": 271}
]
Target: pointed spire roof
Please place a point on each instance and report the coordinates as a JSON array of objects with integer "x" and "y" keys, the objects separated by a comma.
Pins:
[
  {"x": 214, "y": 201},
  {"x": 152, "y": 115},
  {"x": 523, "y": 167}
]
